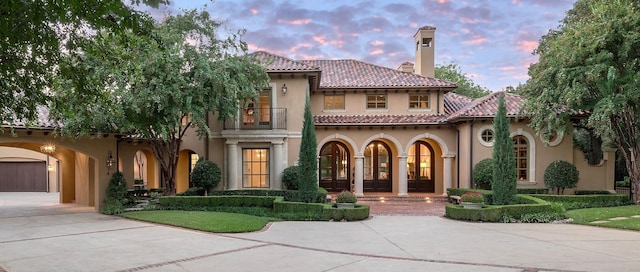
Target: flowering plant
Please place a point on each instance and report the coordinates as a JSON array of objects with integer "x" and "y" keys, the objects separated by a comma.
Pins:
[
  {"x": 472, "y": 197},
  {"x": 346, "y": 197}
]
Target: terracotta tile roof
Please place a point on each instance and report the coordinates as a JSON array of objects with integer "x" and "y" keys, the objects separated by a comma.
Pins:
[
  {"x": 378, "y": 119},
  {"x": 275, "y": 63},
  {"x": 454, "y": 102},
  {"x": 357, "y": 74},
  {"x": 487, "y": 106}
]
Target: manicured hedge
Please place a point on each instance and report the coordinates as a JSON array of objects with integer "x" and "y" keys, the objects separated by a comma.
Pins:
[
  {"x": 198, "y": 202},
  {"x": 532, "y": 191},
  {"x": 486, "y": 194},
  {"x": 321, "y": 211},
  {"x": 360, "y": 212},
  {"x": 289, "y": 195},
  {"x": 493, "y": 213},
  {"x": 592, "y": 192},
  {"x": 584, "y": 198}
]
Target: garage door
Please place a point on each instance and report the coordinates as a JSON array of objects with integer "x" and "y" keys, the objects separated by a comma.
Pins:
[{"x": 23, "y": 177}]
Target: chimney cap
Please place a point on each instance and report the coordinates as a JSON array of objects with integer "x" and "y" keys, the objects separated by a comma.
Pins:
[{"x": 427, "y": 27}]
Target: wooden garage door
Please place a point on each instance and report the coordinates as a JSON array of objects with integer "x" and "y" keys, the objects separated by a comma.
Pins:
[{"x": 23, "y": 177}]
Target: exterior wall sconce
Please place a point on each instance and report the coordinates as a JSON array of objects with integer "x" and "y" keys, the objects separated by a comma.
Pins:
[
  {"x": 48, "y": 148},
  {"x": 284, "y": 88},
  {"x": 110, "y": 163}
]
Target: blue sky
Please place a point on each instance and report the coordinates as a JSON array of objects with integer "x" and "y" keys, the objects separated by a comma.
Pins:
[{"x": 491, "y": 40}]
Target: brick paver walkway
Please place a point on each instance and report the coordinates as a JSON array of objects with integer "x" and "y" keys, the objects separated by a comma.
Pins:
[{"x": 435, "y": 208}]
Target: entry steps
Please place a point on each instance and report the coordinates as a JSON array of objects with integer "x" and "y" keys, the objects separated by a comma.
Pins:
[{"x": 396, "y": 198}]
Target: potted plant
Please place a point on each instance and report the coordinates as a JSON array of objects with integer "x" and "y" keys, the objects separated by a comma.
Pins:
[
  {"x": 346, "y": 200},
  {"x": 472, "y": 200}
]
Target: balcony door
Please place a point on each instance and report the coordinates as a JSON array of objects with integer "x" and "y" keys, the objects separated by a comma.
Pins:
[{"x": 257, "y": 113}]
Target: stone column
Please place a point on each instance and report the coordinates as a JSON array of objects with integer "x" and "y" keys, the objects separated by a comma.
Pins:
[
  {"x": 448, "y": 166},
  {"x": 232, "y": 165},
  {"x": 402, "y": 176},
  {"x": 359, "y": 175},
  {"x": 278, "y": 166}
]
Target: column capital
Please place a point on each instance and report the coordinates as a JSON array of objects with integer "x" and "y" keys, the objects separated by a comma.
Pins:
[
  {"x": 232, "y": 142},
  {"x": 358, "y": 157},
  {"x": 402, "y": 157}
]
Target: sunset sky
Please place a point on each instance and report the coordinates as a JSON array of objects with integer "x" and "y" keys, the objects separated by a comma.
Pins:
[{"x": 491, "y": 40}]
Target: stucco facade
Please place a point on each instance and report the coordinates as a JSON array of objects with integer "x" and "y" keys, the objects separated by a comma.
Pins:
[{"x": 377, "y": 129}]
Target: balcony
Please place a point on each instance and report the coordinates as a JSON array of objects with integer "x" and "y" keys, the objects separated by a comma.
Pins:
[{"x": 258, "y": 119}]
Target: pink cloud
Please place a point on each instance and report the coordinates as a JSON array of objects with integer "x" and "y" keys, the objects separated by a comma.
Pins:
[
  {"x": 377, "y": 43},
  {"x": 320, "y": 39},
  {"x": 376, "y": 52},
  {"x": 254, "y": 11},
  {"x": 443, "y": 1},
  {"x": 298, "y": 46},
  {"x": 476, "y": 40},
  {"x": 295, "y": 22},
  {"x": 516, "y": 2},
  {"x": 527, "y": 46}
]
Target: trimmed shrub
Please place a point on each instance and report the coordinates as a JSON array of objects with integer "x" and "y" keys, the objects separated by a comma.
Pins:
[
  {"x": 560, "y": 175},
  {"x": 206, "y": 174},
  {"x": 346, "y": 197},
  {"x": 307, "y": 158},
  {"x": 592, "y": 192},
  {"x": 532, "y": 191},
  {"x": 572, "y": 202},
  {"x": 483, "y": 173},
  {"x": 290, "y": 177},
  {"x": 360, "y": 212},
  {"x": 311, "y": 210},
  {"x": 203, "y": 202},
  {"x": 116, "y": 195},
  {"x": 192, "y": 191},
  {"x": 497, "y": 213}
]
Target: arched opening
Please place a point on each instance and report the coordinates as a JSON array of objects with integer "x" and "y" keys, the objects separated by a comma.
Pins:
[
  {"x": 334, "y": 168},
  {"x": 420, "y": 168},
  {"x": 377, "y": 168}
]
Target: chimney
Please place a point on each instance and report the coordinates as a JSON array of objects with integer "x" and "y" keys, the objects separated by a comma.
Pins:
[
  {"x": 425, "y": 51},
  {"x": 406, "y": 67}
]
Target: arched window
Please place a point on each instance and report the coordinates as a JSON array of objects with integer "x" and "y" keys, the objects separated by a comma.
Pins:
[
  {"x": 334, "y": 168},
  {"x": 521, "y": 147}
]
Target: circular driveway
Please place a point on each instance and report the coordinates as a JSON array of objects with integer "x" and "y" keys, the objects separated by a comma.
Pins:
[{"x": 63, "y": 237}]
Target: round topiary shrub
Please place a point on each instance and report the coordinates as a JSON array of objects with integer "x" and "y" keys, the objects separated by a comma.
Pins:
[
  {"x": 560, "y": 175},
  {"x": 290, "y": 177},
  {"x": 346, "y": 197},
  {"x": 483, "y": 173},
  {"x": 206, "y": 174}
]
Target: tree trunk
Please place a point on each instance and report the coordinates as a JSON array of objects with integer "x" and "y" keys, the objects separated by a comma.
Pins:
[{"x": 166, "y": 153}]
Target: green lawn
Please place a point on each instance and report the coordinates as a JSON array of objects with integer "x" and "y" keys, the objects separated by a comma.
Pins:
[
  {"x": 622, "y": 217},
  {"x": 205, "y": 221}
]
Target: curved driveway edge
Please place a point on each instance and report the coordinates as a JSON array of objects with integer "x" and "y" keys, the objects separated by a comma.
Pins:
[{"x": 87, "y": 241}]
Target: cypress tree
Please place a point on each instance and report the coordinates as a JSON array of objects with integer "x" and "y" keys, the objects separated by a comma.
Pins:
[
  {"x": 308, "y": 165},
  {"x": 504, "y": 180}
]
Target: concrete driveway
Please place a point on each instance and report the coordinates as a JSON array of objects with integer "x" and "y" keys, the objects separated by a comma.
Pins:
[{"x": 59, "y": 237}]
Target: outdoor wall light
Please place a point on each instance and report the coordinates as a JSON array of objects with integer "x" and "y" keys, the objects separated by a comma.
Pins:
[
  {"x": 48, "y": 148},
  {"x": 284, "y": 88},
  {"x": 110, "y": 162}
]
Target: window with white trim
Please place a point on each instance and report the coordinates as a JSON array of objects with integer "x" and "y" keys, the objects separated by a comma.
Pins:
[{"x": 419, "y": 101}]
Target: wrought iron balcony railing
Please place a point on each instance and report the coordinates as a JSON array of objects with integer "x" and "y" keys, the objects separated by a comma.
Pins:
[{"x": 258, "y": 118}]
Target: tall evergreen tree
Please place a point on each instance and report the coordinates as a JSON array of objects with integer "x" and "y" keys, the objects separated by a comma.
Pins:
[
  {"x": 308, "y": 184},
  {"x": 504, "y": 170}
]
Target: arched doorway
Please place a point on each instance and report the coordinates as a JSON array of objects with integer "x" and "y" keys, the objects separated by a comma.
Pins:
[
  {"x": 377, "y": 168},
  {"x": 334, "y": 168},
  {"x": 420, "y": 168}
]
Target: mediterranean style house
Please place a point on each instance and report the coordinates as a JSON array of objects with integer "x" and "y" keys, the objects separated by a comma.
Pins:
[{"x": 379, "y": 130}]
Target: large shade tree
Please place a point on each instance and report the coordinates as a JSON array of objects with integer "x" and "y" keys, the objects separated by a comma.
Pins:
[
  {"x": 592, "y": 64},
  {"x": 156, "y": 88},
  {"x": 35, "y": 36},
  {"x": 465, "y": 85}
]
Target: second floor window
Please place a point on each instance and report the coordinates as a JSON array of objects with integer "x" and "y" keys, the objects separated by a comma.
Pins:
[
  {"x": 376, "y": 101},
  {"x": 334, "y": 101},
  {"x": 419, "y": 101}
]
